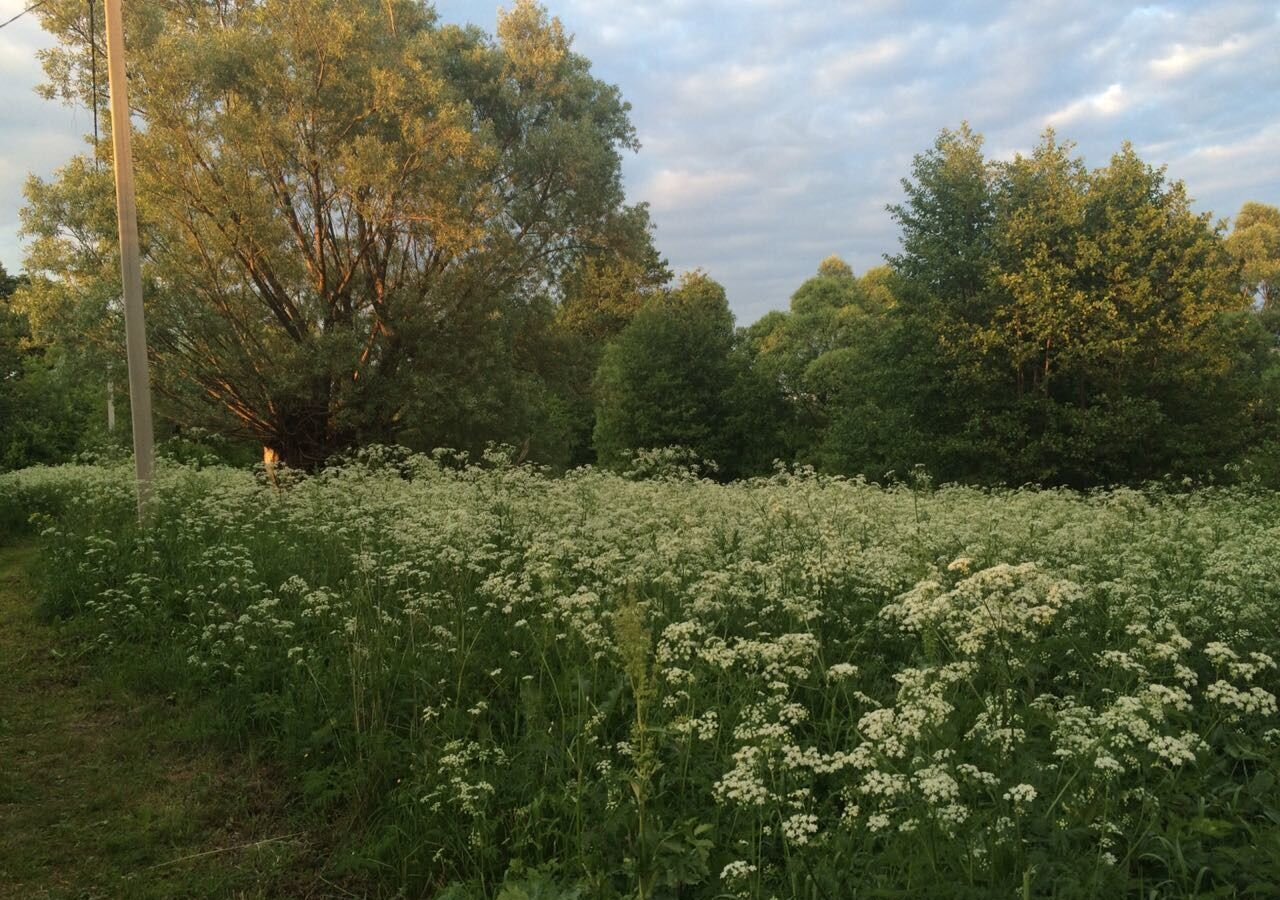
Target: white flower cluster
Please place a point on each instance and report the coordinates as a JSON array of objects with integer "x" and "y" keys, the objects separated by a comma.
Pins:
[
  {"x": 991, "y": 608},
  {"x": 800, "y": 659},
  {"x": 800, "y": 828}
]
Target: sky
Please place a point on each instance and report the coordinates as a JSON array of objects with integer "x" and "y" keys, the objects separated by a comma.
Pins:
[{"x": 775, "y": 132}]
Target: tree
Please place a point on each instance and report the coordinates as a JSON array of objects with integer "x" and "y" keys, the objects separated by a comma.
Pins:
[
  {"x": 1087, "y": 330},
  {"x": 944, "y": 297},
  {"x": 13, "y": 331},
  {"x": 349, "y": 211},
  {"x": 946, "y": 223},
  {"x": 47, "y": 406},
  {"x": 613, "y": 279},
  {"x": 666, "y": 379},
  {"x": 1255, "y": 244},
  {"x": 602, "y": 294},
  {"x": 832, "y": 315},
  {"x": 821, "y": 311}
]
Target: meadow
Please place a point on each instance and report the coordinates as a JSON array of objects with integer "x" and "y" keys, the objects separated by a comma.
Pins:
[{"x": 509, "y": 684}]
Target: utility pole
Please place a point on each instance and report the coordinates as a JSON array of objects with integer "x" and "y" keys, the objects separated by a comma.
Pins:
[{"x": 130, "y": 263}]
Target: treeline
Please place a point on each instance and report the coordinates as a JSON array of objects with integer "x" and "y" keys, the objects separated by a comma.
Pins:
[
  {"x": 1043, "y": 323},
  {"x": 362, "y": 225}
]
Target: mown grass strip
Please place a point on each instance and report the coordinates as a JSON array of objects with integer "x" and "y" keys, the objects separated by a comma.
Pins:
[{"x": 109, "y": 791}]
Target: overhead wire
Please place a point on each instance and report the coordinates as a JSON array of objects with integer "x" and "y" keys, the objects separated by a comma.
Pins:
[
  {"x": 32, "y": 8},
  {"x": 93, "y": 95}
]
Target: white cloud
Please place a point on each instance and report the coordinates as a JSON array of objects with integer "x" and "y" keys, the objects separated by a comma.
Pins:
[
  {"x": 859, "y": 60},
  {"x": 1263, "y": 141},
  {"x": 1105, "y": 104},
  {"x": 675, "y": 189},
  {"x": 1183, "y": 60},
  {"x": 726, "y": 84},
  {"x": 1231, "y": 170}
]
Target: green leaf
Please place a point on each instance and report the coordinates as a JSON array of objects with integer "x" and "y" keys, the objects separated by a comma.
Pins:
[{"x": 1211, "y": 827}]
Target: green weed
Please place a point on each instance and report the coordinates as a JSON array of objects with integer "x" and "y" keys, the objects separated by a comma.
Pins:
[{"x": 506, "y": 684}]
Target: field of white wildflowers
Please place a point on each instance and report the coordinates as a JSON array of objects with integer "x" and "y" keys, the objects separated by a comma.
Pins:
[{"x": 590, "y": 686}]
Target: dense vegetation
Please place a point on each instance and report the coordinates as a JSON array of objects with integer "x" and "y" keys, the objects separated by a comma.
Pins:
[
  {"x": 416, "y": 233},
  {"x": 801, "y": 686}
]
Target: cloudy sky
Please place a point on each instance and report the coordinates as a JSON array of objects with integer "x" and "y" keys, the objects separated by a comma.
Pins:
[{"x": 776, "y": 131}]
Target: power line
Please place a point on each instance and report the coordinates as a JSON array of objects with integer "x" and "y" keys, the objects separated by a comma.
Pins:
[
  {"x": 93, "y": 56},
  {"x": 31, "y": 8}
]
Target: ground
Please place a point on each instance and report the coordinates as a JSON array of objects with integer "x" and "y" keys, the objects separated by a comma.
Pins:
[{"x": 111, "y": 790}]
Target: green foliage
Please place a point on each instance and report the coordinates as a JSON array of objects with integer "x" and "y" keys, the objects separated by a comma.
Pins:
[
  {"x": 946, "y": 223},
  {"x": 665, "y": 379},
  {"x": 811, "y": 365},
  {"x": 510, "y": 685},
  {"x": 601, "y": 295},
  {"x": 1054, "y": 325},
  {"x": 198, "y": 448},
  {"x": 615, "y": 279},
  {"x": 50, "y": 407},
  {"x": 1255, "y": 245},
  {"x": 355, "y": 218}
]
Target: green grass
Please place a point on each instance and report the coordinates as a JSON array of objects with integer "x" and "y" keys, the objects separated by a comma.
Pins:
[{"x": 111, "y": 790}]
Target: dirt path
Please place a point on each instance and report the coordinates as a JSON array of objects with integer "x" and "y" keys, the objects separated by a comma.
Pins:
[{"x": 109, "y": 792}]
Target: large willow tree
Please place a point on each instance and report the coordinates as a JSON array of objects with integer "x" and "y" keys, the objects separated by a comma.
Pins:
[{"x": 345, "y": 204}]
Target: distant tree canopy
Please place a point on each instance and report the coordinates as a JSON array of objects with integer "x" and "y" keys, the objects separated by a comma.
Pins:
[
  {"x": 46, "y": 403},
  {"x": 1255, "y": 244},
  {"x": 665, "y": 379},
  {"x": 832, "y": 327},
  {"x": 1042, "y": 323},
  {"x": 352, "y": 215}
]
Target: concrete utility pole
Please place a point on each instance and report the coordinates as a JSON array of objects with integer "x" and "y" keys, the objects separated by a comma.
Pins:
[{"x": 130, "y": 263}]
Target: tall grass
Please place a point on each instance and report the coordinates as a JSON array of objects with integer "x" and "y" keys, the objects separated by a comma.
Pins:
[{"x": 513, "y": 685}]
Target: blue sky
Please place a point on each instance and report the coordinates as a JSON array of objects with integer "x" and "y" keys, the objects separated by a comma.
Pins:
[{"x": 774, "y": 132}]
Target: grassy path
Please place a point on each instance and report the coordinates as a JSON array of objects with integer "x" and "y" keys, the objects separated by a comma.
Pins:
[{"x": 110, "y": 792}]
